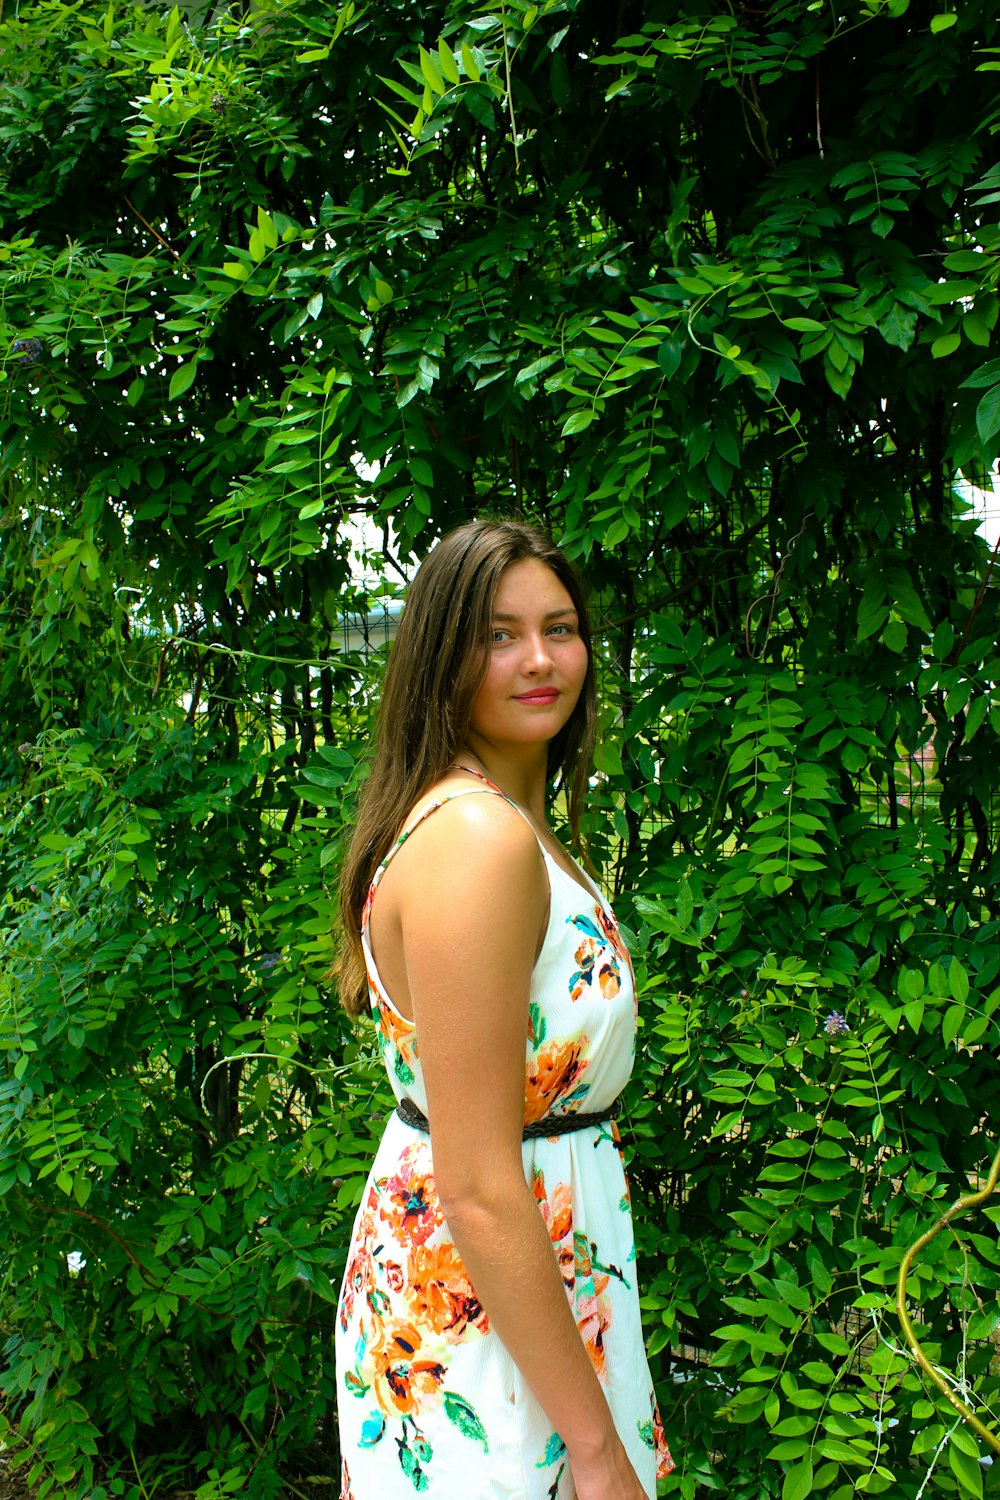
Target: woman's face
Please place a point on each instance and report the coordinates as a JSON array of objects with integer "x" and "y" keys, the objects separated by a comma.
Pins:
[{"x": 537, "y": 660}]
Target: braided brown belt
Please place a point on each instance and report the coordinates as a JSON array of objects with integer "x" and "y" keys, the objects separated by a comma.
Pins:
[{"x": 537, "y": 1130}]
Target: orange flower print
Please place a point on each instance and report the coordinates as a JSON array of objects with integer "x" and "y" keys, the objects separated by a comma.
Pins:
[
  {"x": 439, "y": 1292},
  {"x": 652, "y": 1434},
  {"x": 557, "y": 1212},
  {"x": 591, "y": 1304},
  {"x": 405, "y": 1377},
  {"x": 397, "y": 1038},
  {"x": 609, "y": 926},
  {"x": 664, "y": 1463},
  {"x": 594, "y": 960},
  {"x": 586, "y": 1284},
  {"x": 410, "y": 1202},
  {"x": 584, "y": 958},
  {"x": 357, "y": 1277},
  {"x": 610, "y": 980},
  {"x": 554, "y": 1073}
]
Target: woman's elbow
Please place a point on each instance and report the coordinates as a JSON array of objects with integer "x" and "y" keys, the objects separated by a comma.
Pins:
[{"x": 472, "y": 1195}]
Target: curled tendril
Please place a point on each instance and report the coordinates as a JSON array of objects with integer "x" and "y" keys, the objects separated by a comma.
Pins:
[{"x": 967, "y": 1200}]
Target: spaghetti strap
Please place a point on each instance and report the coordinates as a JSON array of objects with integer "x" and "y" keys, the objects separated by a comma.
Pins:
[{"x": 460, "y": 766}]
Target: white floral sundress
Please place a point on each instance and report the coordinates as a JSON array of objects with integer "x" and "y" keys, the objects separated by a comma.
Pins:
[{"x": 429, "y": 1400}]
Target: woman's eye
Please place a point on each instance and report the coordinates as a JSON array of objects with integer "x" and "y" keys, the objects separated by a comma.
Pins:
[{"x": 498, "y": 637}]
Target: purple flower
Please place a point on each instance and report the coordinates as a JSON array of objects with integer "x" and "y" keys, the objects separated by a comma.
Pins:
[{"x": 836, "y": 1024}]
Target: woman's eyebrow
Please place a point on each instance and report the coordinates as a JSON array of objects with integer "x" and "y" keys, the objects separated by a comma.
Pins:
[{"x": 553, "y": 614}]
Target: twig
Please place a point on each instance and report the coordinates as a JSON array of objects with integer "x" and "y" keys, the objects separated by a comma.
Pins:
[
  {"x": 967, "y": 1200},
  {"x": 510, "y": 97},
  {"x": 771, "y": 595},
  {"x": 154, "y": 232},
  {"x": 979, "y": 599},
  {"x": 819, "y": 120}
]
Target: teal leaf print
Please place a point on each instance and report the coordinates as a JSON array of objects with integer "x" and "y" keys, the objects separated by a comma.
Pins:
[
  {"x": 372, "y": 1429},
  {"x": 402, "y": 1068},
  {"x": 458, "y": 1410},
  {"x": 356, "y": 1384},
  {"x": 554, "y": 1450},
  {"x": 411, "y": 1468},
  {"x": 536, "y": 1023},
  {"x": 645, "y": 1430},
  {"x": 585, "y": 925}
]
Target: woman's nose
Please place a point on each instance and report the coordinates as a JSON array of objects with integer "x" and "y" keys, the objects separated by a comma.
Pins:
[{"x": 537, "y": 657}]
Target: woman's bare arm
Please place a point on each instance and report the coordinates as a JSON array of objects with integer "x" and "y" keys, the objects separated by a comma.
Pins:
[{"x": 470, "y": 896}]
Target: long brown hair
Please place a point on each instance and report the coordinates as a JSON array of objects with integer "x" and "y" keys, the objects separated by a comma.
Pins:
[{"x": 435, "y": 669}]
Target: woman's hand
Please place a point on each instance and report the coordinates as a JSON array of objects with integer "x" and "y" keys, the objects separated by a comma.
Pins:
[{"x": 609, "y": 1477}]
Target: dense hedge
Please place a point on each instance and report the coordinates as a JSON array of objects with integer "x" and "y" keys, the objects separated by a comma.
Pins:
[{"x": 712, "y": 291}]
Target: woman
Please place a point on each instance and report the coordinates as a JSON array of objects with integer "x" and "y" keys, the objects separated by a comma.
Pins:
[{"x": 488, "y": 1333}]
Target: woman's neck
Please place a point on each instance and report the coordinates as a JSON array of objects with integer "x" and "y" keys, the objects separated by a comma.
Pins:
[{"x": 523, "y": 780}]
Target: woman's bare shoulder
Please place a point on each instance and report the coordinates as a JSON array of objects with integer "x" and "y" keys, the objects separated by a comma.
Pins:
[
  {"x": 476, "y": 812},
  {"x": 473, "y": 833},
  {"x": 472, "y": 878}
]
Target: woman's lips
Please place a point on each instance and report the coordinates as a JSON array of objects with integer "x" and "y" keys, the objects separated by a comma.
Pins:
[{"x": 539, "y": 695}]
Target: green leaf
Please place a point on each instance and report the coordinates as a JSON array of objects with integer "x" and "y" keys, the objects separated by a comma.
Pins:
[
  {"x": 945, "y": 345},
  {"x": 446, "y": 60},
  {"x": 578, "y": 421},
  {"x": 943, "y": 21},
  {"x": 266, "y": 229},
  {"x": 472, "y": 70},
  {"x": 895, "y": 636},
  {"x": 988, "y": 374},
  {"x": 975, "y": 715},
  {"x": 988, "y": 415},
  {"x": 952, "y": 1024},
  {"x": 966, "y": 1470},
  {"x": 431, "y": 70},
  {"x": 798, "y": 1481},
  {"x": 958, "y": 981},
  {"x": 182, "y": 379}
]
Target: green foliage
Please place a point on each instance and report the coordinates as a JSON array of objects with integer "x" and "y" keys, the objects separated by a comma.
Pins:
[{"x": 716, "y": 298}]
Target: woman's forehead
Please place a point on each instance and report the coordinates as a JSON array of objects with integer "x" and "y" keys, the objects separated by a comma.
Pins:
[{"x": 531, "y": 585}]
